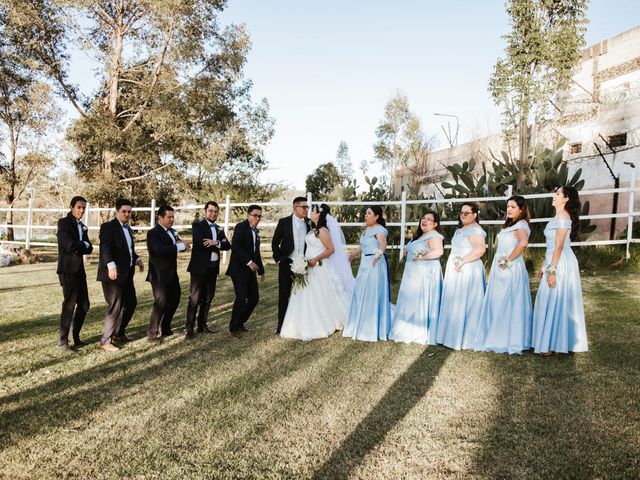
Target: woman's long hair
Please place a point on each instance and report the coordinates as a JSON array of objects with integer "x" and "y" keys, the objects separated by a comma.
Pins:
[
  {"x": 524, "y": 211},
  {"x": 573, "y": 209},
  {"x": 436, "y": 219},
  {"x": 377, "y": 210},
  {"x": 475, "y": 208},
  {"x": 324, "y": 210}
]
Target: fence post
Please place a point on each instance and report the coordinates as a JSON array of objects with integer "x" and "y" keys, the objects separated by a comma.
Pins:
[
  {"x": 152, "y": 220},
  {"x": 403, "y": 223},
  {"x": 632, "y": 196},
  {"x": 27, "y": 242},
  {"x": 227, "y": 217}
]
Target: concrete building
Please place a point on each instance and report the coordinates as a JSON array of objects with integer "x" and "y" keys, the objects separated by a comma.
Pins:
[{"x": 599, "y": 116}]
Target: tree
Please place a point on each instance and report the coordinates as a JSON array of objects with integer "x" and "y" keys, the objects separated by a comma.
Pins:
[
  {"x": 343, "y": 162},
  {"x": 401, "y": 140},
  {"x": 172, "y": 103},
  {"x": 26, "y": 112},
  {"x": 542, "y": 49},
  {"x": 321, "y": 182}
]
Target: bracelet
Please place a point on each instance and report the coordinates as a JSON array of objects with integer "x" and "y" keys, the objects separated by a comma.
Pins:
[{"x": 550, "y": 269}]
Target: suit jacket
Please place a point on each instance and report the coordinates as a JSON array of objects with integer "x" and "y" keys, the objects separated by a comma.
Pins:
[
  {"x": 71, "y": 246},
  {"x": 283, "y": 244},
  {"x": 163, "y": 255},
  {"x": 201, "y": 255},
  {"x": 242, "y": 251},
  {"x": 114, "y": 248}
]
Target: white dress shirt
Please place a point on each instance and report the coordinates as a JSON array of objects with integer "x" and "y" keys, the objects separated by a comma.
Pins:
[
  {"x": 299, "y": 233},
  {"x": 125, "y": 232},
  {"x": 80, "y": 232},
  {"x": 179, "y": 245},
  {"x": 214, "y": 237}
]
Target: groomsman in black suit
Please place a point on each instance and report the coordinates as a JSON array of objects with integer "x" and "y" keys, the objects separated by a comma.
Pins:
[
  {"x": 73, "y": 243},
  {"x": 163, "y": 245},
  {"x": 289, "y": 241},
  {"x": 245, "y": 263},
  {"x": 208, "y": 239},
  {"x": 118, "y": 260}
]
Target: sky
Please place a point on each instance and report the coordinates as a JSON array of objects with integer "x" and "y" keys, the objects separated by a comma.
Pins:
[{"x": 328, "y": 68}]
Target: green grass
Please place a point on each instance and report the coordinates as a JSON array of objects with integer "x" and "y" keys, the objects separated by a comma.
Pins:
[{"x": 264, "y": 407}]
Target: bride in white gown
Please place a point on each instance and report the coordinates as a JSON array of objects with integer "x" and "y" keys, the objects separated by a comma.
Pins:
[{"x": 320, "y": 308}]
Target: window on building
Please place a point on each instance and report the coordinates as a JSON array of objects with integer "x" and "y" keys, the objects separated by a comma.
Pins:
[
  {"x": 619, "y": 140},
  {"x": 575, "y": 148}
]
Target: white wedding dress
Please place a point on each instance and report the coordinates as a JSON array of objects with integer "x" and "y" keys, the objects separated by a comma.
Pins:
[{"x": 320, "y": 308}]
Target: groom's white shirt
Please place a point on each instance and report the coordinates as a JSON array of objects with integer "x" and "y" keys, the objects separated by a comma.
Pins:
[{"x": 299, "y": 232}]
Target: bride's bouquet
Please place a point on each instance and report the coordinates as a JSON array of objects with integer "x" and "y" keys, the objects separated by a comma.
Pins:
[{"x": 299, "y": 267}]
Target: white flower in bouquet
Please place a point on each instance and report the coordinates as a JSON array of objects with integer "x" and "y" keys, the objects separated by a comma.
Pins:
[
  {"x": 419, "y": 255},
  {"x": 504, "y": 262},
  {"x": 299, "y": 267},
  {"x": 457, "y": 261}
]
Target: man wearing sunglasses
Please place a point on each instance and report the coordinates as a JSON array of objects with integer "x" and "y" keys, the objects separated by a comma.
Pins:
[
  {"x": 288, "y": 242},
  {"x": 244, "y": 264}
]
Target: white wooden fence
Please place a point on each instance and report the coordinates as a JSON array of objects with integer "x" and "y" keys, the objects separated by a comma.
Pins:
[{"x": 630, "y": 214}]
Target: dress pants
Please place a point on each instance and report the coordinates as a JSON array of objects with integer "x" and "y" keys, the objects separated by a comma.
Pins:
[
  {"x": 121, "y": 303},
  {"x": 245, "y": 286},
  {"x": 76, "y": 297},
  {"x": 203, "y": 289},
  {"x": 166, "y": 298},
  {"x": 285, "y": 281}
]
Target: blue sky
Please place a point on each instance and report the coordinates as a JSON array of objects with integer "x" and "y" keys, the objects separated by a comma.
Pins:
[{"x": 328, "y": 68}]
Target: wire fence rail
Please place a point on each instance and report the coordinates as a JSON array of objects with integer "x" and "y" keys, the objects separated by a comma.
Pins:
[{"x": 29, "y": 227}]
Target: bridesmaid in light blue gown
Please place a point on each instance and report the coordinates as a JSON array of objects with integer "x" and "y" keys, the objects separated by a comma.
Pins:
[
  {"x": 505, "y": 320},
  {"x": 463, "y": 289},
  {"x": 418, "y": 305},
  {"x": 558, "y": 315},
  {"x": 369, "y": 316}
]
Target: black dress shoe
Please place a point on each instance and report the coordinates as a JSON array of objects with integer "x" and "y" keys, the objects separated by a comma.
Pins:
[
  {"x": 168, "y": 333},
  {"x": 277, "y": 331},
  {"x": 189, "y": 336},
  {"x": 244, "y": 329},
  {"x": 79, "y": 343},
  {"x": 207, "y": 329}
]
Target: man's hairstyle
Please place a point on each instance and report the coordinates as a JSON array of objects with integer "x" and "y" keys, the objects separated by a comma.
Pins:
[
  {"x": 162, "y": 211},
  {"x": 253, "y": 207},
  {"x": 211, "y": 202},
  {"x": 299, "y": 199},
  {"x": 121, "y": 202},
  {"x": 77, "y": 199}
]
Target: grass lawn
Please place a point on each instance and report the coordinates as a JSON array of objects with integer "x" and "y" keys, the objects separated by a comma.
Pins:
[{"x": 264, "y": 407}]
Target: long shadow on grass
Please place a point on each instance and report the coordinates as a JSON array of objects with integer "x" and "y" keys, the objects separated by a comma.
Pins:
[
  {"x": 84, "y": 393},
  {"x": 401, "y": 397},
  {"x": 567, "y": 416}
]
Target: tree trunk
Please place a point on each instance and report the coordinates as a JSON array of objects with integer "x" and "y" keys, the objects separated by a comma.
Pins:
[
  {"x": 523, "y": 147},
  {"x": 11, "y": 198},
  {"x": 108, "y": 157}
]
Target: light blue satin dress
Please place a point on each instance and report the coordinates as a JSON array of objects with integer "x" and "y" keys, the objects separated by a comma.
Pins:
[
  {"x": 505, "y": 320},
  {"x": 369, "y": 316},
  {"x": 462, "y": 294},
  {"x": 558, "y": 315},
  {"x": 418, "y": 305}
]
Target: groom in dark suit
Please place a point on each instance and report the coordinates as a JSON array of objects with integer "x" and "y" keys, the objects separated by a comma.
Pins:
[
  {"x": 208, "y": 240},
  {"x": 73, "y": 243},
  {"x": 118, "y": 260},
  {"x": 245, "y": 263},
  {"x": 163, "y": 245},
  {"x": 288, "y": 242}
]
